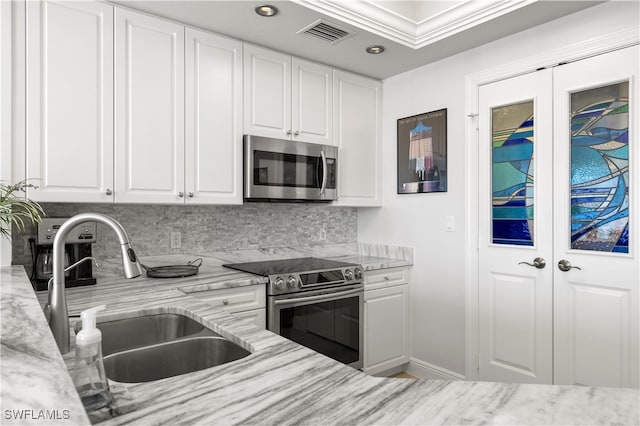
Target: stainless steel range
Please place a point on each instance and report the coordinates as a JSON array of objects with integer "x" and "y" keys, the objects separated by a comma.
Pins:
[{"x": 315, "y": 302}]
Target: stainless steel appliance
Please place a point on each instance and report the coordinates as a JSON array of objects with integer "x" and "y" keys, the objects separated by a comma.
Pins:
[
  {"x": 278, "y": 169},
  {"x": 315, "y": 302},
  {"x": 77, "y": 247}
]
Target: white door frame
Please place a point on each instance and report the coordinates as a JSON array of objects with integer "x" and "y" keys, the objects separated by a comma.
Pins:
[{"x": 613, "y": 41}]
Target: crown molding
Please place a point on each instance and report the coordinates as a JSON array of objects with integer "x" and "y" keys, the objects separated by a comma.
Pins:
[{"x": 383, "y": 22}]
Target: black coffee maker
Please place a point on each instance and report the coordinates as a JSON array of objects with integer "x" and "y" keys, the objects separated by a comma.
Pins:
[{"x": 77, "y": 247}]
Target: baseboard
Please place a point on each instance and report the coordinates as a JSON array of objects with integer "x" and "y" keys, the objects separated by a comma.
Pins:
[
  {"x": 424, "y": 370},
  {"x": 390, "y": 371}
]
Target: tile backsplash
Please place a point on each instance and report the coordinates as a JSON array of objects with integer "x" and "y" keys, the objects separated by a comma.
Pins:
[{"x": 207, "y": 228}]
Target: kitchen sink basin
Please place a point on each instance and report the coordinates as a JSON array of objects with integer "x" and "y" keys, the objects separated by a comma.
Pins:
[
  {"x": 157, "y": 346},
  {"x": 171, "y": 359},
  {"x": 128, "y": 333}
]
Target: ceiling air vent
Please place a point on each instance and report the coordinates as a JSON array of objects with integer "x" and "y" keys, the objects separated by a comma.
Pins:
[{"x": 329, "y": 32}]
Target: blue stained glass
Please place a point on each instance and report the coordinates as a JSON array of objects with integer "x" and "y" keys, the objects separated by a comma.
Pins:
[
  {"x": 512, "y": 174},
  {"x": 600, "y": 169}
]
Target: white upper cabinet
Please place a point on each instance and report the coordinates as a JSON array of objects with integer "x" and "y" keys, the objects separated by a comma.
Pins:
[
  {"x": 213, "y": 111},
  {"x": 286, "y": 97},
  {"x": 149, "y": 105},
  {"x": 311, "y": 99},
  {"x": 70, "y": 101},
  {"x": 357, "y": 130},
  {"x": 267, "y": 92}
]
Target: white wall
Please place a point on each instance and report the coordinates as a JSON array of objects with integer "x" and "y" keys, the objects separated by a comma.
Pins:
[
  {"x": 418, "y": 220},
  {"x": 5, "y": 112}
]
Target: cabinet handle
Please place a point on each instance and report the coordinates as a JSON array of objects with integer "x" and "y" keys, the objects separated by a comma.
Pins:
[
  {"x": 190, "y": 194},
  {"x": 180, "y": 194},
  {"x": 296, "y": 133},
  {"x": 225, "y": 302},
  {"x": 108, "y": 191},
  {"x": 386, "y": 278}
]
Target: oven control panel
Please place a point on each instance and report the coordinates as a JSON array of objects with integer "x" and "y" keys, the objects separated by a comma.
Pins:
[{"x": 314, "y": 280}]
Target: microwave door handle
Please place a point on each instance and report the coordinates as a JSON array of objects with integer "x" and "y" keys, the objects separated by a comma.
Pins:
[
  {"x": 324, "y": 172},
  {"x": 327, "y": 297}
]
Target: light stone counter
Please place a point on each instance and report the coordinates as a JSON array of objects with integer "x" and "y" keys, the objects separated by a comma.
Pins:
[
  {"x": 284, "y": 383},
  {"x": 34, "y": 385}
]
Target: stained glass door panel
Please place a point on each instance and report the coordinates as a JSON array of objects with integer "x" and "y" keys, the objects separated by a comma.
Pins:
[
  {"x": 596, "y": 262},
  {"x": 600, "y": 169},
  {"x": 512, "y": 139},
  {"x": 514, "y": 295}
]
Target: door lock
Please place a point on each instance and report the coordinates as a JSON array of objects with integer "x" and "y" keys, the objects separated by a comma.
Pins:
[{"x": 538, "y": 262}]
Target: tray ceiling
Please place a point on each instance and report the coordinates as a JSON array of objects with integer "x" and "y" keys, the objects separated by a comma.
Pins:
[{"x": 414, "y": 33}]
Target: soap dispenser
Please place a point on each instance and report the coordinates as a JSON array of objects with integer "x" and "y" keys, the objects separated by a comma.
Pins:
[{"x": 88, "y": 374}]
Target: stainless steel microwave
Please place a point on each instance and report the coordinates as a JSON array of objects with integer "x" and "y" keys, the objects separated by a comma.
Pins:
[{"x": 285, "y": 170}]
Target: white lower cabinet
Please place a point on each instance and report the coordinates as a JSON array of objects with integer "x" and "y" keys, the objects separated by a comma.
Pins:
[
  {"x": 257, "y": 316},
  {"x": 242, "y": 302},
  {"x": 386, "y": 319}
]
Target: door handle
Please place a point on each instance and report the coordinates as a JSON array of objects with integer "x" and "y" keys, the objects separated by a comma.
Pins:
[
  {"x": 564, "y": 265},
  {"x": 538, "y": 262}
]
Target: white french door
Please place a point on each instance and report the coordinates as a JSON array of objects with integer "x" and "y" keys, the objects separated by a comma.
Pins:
[{"x": 558, "y": 218}]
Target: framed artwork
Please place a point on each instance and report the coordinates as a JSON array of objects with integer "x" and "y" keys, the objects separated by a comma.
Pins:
[{"x": 422, "y": 153}]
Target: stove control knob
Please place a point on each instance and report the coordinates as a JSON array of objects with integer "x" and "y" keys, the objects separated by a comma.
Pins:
[
  {"x": 292, "y": 282},
  {"x": 358, "y": 274},
  {"x": 280, "y": 285},
  {"x": 348, "y": 274}
]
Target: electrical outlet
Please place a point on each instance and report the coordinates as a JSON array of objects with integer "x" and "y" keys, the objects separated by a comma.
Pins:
[
  {"x": 323, "y": 232},
  {"x": 176, "y": 240}
]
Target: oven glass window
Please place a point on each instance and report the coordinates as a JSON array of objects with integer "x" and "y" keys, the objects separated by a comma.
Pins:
[
  {"x": 331, "y": 328},
  {"x": 291, "y": 170}
]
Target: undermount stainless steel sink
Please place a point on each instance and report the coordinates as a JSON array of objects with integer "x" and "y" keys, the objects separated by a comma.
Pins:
[
  {"x": 157, "y": 346},
  {"x": 171, "y": 359}
]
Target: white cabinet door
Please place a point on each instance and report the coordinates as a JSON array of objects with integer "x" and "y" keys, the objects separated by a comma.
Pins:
[
  {"x": 311, "y": 102},
  {"x": 267, "y": 93},
  {"x": 386, "y": 339},
  {"x": 149, "y": 105},
  {"x": 70, "y": 101},
  {"x": 356, "y": 130},
  {"x": 287, "y": 97},
  {"x": 213, "y": 111}
]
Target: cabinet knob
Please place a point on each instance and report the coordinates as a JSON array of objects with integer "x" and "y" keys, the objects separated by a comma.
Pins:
[
  {"x": 296, "y": 133},
  {"x": 190, "y": 194},
  {"x": 288, "y": 132},
  {"x": 180, "y": 194},
  {"x": 386, "y": 278},
  {"x": 225, "y": 302},
  {"x": 108, "y": 191}
]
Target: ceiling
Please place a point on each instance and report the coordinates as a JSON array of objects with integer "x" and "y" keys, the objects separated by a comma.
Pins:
[{"x": 414, "y": 33}]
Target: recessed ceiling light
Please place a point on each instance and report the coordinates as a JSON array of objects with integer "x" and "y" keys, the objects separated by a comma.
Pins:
[
  {"x": 266, "y": 10},
  {"x": 375, "y": 50}
]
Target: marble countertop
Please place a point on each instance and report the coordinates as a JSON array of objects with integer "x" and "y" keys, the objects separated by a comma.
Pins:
[{"x": 280, "y": 382}]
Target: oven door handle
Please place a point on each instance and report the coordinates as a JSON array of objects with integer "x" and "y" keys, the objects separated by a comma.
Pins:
[
  {"x": 329, "y": 296},
  {"x": 324, "y": 172}
]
